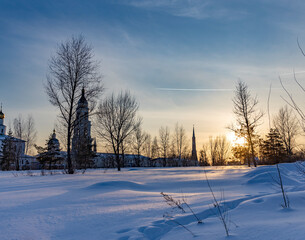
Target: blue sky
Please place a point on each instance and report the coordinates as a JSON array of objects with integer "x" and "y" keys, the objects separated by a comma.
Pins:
[{"x": 149, "y": 46}]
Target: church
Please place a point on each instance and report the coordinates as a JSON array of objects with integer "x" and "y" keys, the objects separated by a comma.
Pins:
[
  {"x": 84, "y": 148},
  {"x": 19, "y": 160}
]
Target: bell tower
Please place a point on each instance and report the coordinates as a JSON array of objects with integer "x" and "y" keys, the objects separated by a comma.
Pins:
[
  {"x": 82, "y": 125},
  {"x": 2, "y": 126}
]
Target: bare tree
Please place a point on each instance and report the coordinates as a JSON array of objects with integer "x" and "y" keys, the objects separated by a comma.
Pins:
[
  {"x": 25, "y": 129},
  {"x": 71, "y": 69},
  {"x": 288, "y": 127},
  {"x": 213, "y": 145},
  {"x": 291, "y": 100},
  {"x": 126, "y": 146},
  {"x": 116, "y": 121},
  {"x": 203, "y": 159},
  {"x": 19, "y": 127},
  {"x": 164, "y": 142},
  {"x": 180, "y": 140},
  {"x": 139, "y": 140},
  {"x": 155, "y": 149},
  {"x": 247, "y": 116},
  {"x": 147, "y": 146},
  {"x": 219, "y": 148},
  {"x": 222, "y": 150},
  {"x": 30, "y": 134}
]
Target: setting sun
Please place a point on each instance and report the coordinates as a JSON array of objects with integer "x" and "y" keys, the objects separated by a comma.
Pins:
[{"x": 235, "y": 140}]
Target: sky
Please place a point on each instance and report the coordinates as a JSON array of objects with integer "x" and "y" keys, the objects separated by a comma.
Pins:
[{"x": 181, "y": 59}]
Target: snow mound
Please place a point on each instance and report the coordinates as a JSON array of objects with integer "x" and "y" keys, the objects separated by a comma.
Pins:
[
  {"x": 117, "y": 185},
  {"x": 269, "y": 174}
]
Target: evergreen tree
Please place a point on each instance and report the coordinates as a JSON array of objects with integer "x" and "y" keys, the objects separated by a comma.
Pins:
[
  {"x": 9, "y": 155},
  {"x": 48, "y": 155},
  {"x": 272, "y": 149},
  {"x": 242, "y": 153}
]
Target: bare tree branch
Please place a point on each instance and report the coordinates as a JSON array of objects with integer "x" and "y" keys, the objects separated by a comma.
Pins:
[
  {"x": 71, "y": 69},
  {"x": 116, "y": 121}
]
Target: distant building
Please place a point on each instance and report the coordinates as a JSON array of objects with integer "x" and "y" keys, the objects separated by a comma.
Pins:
[
  {"x": 53, "y": 143},
  {"x": 54, "y": 151},
  {"x": 82, "y": 143},
  {"x": 2, "y": 126},
  {"x": 82, "y": 140},
  {"x": 25, "y": 161},
  {"x": 194, "y": 157},
  {"x": 107, "y": 160},
  {"x": 52, "y": 157}
]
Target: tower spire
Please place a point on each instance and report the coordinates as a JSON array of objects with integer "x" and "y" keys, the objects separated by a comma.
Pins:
[
  {"x": 194, "y": 151},
  {"x": 83, "y": 91},
  {"x": 193, "y": 131}
]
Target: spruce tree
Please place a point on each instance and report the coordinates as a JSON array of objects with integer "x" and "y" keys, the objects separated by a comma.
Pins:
[
  {"x": 9, "y": 155},
  {"x": 272, "y": 149}
]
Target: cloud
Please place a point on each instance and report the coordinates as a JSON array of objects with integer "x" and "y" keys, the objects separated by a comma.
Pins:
[{"x": 196, "y": 9}]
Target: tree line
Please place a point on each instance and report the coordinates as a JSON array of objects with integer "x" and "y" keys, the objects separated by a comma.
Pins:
[
  {"x": 116, "y": 119},
  {"x": 119, "y": 127},
  {"x": 278, "y": 145}
]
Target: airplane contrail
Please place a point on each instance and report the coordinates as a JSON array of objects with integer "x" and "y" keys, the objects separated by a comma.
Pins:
[
  {"x": 291, "y": 73},
  {"x": 197, "y": 89},
  {"x": 206, "y": 89}
]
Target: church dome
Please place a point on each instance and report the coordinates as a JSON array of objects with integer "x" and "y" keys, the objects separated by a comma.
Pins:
[
  {"x": 53, "y": 143},
  {"x": 1, "y": 113}
]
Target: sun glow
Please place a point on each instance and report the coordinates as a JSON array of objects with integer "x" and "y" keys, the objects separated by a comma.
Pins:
[{"x": 235, "y": 140}]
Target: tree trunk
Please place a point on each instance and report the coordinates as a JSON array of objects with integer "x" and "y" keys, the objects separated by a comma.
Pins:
[
  {"x": 69, "y": 161},
  {"x": 252, "y": 154},
  {"x": 17, "y": 164},
  {"x": 118, "y": 161}
]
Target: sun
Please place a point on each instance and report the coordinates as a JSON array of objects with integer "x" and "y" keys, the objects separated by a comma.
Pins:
[{"x": 235, "y": 140}]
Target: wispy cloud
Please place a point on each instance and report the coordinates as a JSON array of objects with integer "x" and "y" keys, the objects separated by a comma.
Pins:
[{"x": 197, "y": 9}]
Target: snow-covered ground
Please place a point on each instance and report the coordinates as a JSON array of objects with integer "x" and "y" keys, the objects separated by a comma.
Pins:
[{"x": 127, "y": 205}]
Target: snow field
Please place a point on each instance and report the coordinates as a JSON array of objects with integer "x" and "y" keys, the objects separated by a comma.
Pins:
[{"x": 127, "y": 205}]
